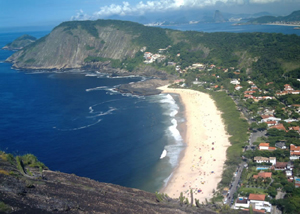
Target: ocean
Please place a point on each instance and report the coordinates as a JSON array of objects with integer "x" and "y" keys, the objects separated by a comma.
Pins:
[{"x": 75, "y": 122}]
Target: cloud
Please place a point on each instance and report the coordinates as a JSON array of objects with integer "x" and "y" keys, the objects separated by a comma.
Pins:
[
  {"x": 125, "y": 8},
  {"x": 80, "y": 16}
]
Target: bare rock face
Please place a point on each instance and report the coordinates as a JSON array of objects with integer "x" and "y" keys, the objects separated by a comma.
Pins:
[
  {"x": 55, "y": 192},
  {"x": 68, "y": 45}
]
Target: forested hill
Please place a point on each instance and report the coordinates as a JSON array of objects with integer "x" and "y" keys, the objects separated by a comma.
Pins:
[
  {"x": 80, "y": 43},
  {"x": 294, "y": 16}
]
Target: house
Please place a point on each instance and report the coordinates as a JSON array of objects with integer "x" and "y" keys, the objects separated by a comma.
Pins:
[
  {"x": 289, "y": 173},
  {"x": 281, "y": 166},
  {"x": 259, "y": 159},
  {"x": 287, "y": 87},
  {"x": 295, "y": 128},
  {"x": 279, "y": 126},
  {"x": 263, "y": 146},
  {"x": 280, "y": 145},
  {"x": 266, "y": 118},
  {"x": 238, "y": 87},
  {"x": 263, "y": 175},
  {"x": 294, "y": 152},
  {"x": 241, "y": 203},
  {"x": 297, "y": 182},
  {"x": 249, "y": 92},
  {"x": 272, "y": 160},
  {"x": 235, "y": 82},
  {"x": 271, "y": 123},
  {"x": 258, "y": 202}
]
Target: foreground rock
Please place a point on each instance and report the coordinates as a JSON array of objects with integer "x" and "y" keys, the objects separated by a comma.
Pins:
[{"x": 55, "y": 192}]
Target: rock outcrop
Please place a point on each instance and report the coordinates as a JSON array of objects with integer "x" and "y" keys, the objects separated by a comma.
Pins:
[{"x": 56, "y": 192}]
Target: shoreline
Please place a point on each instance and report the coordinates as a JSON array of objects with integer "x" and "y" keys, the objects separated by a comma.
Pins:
[{"x": 201, "y": 163}]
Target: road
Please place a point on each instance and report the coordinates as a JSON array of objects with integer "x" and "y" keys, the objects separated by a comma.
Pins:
[{"x": 235, "y": 183}]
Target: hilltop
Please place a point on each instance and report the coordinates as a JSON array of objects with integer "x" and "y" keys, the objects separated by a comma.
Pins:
[
  {"x": 294, "y": 17},
  {"x": 20, "y": 42}
]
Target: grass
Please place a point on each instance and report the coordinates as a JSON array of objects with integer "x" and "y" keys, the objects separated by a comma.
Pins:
[
  {"x": 4, "y": 207},
  {"x": 4, "y": 172},
  {"x": 252, "y": 190}
]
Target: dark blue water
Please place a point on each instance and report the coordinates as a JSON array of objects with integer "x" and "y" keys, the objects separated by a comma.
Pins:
[{"x": 76, "y": 123}]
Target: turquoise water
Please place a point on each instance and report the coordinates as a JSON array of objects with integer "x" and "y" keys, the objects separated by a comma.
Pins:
[{"x": 262, "y": 168}]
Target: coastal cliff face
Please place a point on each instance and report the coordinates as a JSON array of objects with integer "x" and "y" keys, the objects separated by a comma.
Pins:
[{"x": 68, "y": 47}]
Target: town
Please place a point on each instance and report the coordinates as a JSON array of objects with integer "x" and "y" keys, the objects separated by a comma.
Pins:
[{"x": 270, "y": 166}]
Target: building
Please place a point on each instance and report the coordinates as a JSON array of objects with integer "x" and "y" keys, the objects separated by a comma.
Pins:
[
  {"x": 258, "y": 202},
  {"x": 281, "y": 166},
  {"x": 294, "y": 152},
  {"x": 280, "y": 145},
  {"x": 263, "y": 146},
  {"x": 259, "y": 159},
  {"x": 238, "y": 87},
  {"x": 241, "y": 203},
  {"x": 279, "y": 126},
  {"x": 263, "y": 175}
]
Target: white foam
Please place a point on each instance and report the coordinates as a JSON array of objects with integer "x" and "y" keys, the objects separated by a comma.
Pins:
[
  {"x": 163, "y": 154},
  {"x": 174, "y": 131},
  {"x": 82, "y": 127},
  {"x": 97, "y": 88},
  {"x": 99, "y": 114}
]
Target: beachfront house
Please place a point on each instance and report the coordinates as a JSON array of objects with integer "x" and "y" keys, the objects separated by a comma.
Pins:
[
  {"x": 258, "y": 202},
  {"x": 241, "y": 203}
]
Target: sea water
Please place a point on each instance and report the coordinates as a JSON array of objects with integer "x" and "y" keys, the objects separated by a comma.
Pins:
[{"x": 75, "y": 122}]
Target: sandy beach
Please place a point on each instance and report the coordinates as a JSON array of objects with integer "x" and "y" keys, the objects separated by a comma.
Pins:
[{"x": 201, "y": 165}]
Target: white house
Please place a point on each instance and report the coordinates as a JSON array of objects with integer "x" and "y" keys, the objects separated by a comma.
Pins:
[
  {"x": 235, "y": 82},
  {"x": 241, "y": 203},
  {"x": 258, "y": 200},
  {"x": 238, "y": 87}
]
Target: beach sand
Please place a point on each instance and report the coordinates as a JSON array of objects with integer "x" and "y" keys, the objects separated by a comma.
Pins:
[{"x": 201, "y": 165}]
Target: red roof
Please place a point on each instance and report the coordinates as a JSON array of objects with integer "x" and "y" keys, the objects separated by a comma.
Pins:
[
  {"x": 263, "y": 175},
  {"x": 280, "y": 126},
  {"x": 294, "y": 148},
  {"x": 271, "y": 122},
  {"x": 295, "y": 128},
  {"x": 264, "y": 144},
  {"x": 272, "y": 148},
  {"x": 257, "y": 197}
]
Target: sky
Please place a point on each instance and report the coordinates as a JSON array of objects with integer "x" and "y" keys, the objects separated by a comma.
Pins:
[{"x": 22, "y": 13}]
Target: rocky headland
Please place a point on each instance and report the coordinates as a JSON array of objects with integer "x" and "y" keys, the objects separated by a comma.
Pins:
[{"x": 20, "y": 43}]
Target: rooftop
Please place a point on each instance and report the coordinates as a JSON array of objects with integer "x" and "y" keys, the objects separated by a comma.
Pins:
[{"x": 257, "y": 197}]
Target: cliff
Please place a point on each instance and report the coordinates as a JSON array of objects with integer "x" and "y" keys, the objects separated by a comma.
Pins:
[
  {"x": 27, "y": 186},
  {"x": 78, "y": 44},
  {"x": 20, "y": 42}
]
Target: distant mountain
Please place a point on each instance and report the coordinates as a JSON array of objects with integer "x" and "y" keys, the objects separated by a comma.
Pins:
[
  {"x": 218, "y": 17},
  {"x": 20, "y": 42},
  {"x": 293, "y": 17}
]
